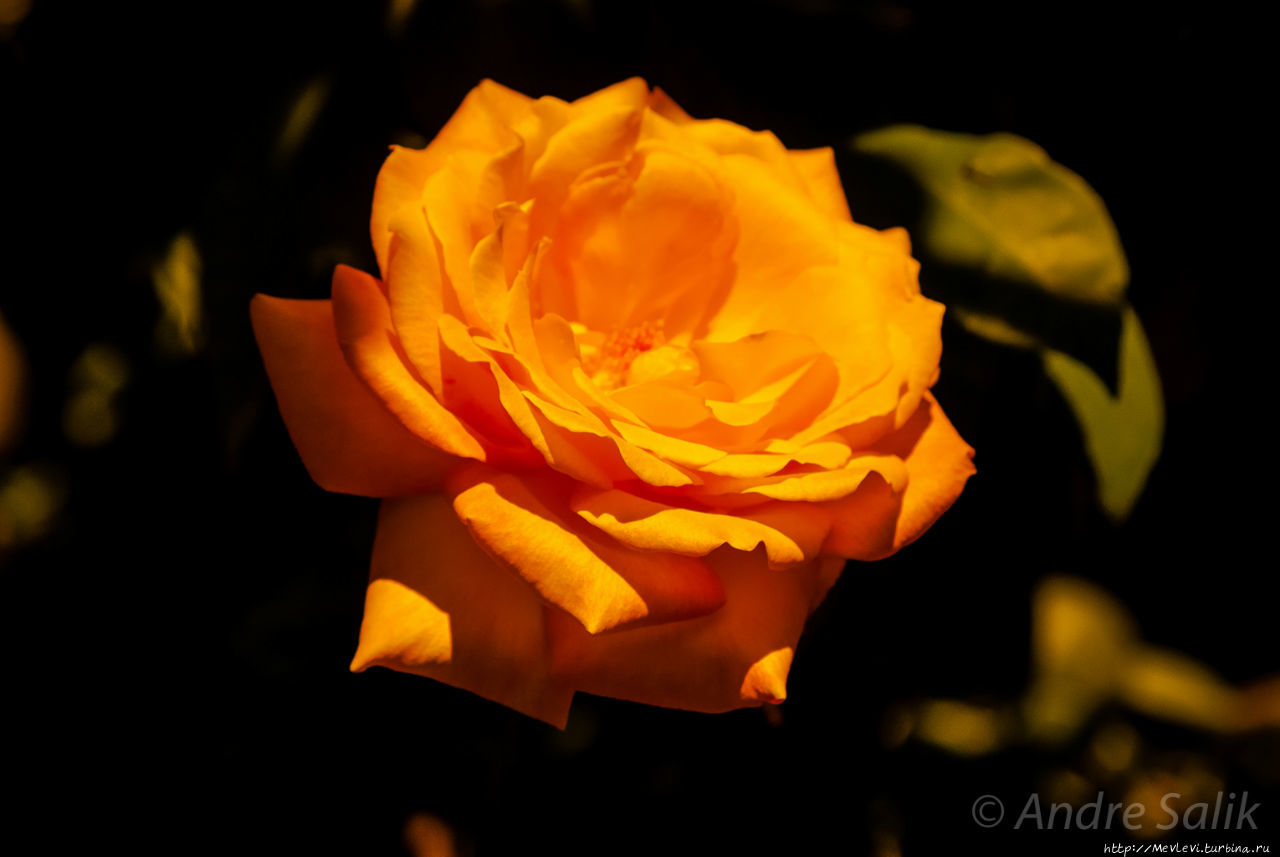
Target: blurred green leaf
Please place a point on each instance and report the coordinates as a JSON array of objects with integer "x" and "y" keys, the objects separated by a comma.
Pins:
[
  {"x": 1122, "y": 433},
  {"x": 994, "y": 328},
  {"x": 999, "y": 204},
  {"x": 1024, "y": 253}
]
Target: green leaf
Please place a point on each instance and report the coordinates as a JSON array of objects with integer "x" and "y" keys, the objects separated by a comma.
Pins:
[
  {"x": 1024, "y": 253},
  {"x": 999, "y": 204},
  {"x": 994, "y": 328},
  {"x": 1122, "y": 433}
]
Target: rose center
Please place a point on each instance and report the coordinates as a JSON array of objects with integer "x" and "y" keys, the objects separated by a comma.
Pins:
[{"x": 632, "y": 355}]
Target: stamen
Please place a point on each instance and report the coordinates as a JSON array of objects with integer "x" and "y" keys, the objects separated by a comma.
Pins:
[{"x": 608, "y": 364}]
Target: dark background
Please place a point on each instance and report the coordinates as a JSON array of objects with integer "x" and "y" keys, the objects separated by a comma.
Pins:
[{"x": 176, "y": 638}]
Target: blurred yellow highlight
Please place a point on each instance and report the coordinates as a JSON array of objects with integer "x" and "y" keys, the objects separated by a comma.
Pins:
[
  {"x": 1162, "y": 791},
  {"x": 966, "y": 730},
  {"x": 398, "y": 14},
  {"x": 1172, "y": 686},
  {"x": 1079, "y": 637},
  {"x": 301, "y": 118},
  {"x": 29, "y": 501},
  {"x": 91, "y": 416},
  {"x": 176, "y": 280},
  {"x": 1087, "y": 653},
  {"x": 1114, "y": 748}
]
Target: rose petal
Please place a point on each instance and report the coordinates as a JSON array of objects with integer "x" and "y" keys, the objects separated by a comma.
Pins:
[
  {"x": 478, "y": 390},
  {"x": 459, "y": 201},
  {"x": 790, "y": 532},
  {"x": 483, "y": 122},
  {"x": 573, "y": 441},
  {"x": 348, "y": 440},
  {"x": 782, "y": 233},
  {"x": 632, "y": 93},
  {"x": 399, "y": 186},
  {"x": 588, "y": 140},
  {"x": 662, "y": 406},
  {"x": 734, "y": 142},
  {"x": 733, "y": 658},
  {"x": 366, "y": 334},
  {"x": 527, "y": 524},
  {"x": 873, "y": 522},
  {"x": 638, "y": 241},
  {"x": 915, "y": 344},
  {"x": 753, "y": 362},
  {"x": 817, "y": 169},
  {"x": 485, "y": 118},
  {"x": 619, "y": 457},
  {"x": 417, "y": 293},
  {"x": 939, "y": 463},
  {"x": 438, "y": 606},
  {"x": 663, "y": 104},
  {"x": 820, "y": 485}
]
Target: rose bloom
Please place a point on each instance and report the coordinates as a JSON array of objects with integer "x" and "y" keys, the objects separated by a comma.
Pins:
[{"x": 633, "y": 386}]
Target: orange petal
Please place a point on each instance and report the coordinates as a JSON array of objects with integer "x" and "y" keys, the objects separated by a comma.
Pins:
[
  {"x": 914, "y": 343},
  {"x": 737, "y": 142},
  {"x": 527, "y": 524},
  {"x": 863, "y": 524},
  {"x": 874, "y": 522},
  {"x": 790, "y": 532},
  {"x": 748, "y": 364},
  {"x": 367, "y": 337},
  {"x": 670, "y": 448},
  {"x": 399, "y": 186},
  {"x": 483, "y": 121},
  {"x": 348, "y": 440},
  {"x": 820, "y": 485},
  {"x": 572, "y": 441},
  {"x": 939, "y": 463},
  {"x": 417, "y": 293},
  {"x": 438, "y": 606},
  {"x": 639, "y": 241},
  {"x": 828, "y": 455},
  {"x": 616, "y": 456},
  {"x": 817, "y": 169},
  {"x": 663, "y": 104},
  {"x": 458, "y": 219},
  {"x": 485, "y": 118},
  {"x": 632, "y": 94},
  {"x": 587, "y": 140},
  {"x": 662, "y": 406},
  {"x": 497, "y": 392},
  {"x": 733, "y": 658}
]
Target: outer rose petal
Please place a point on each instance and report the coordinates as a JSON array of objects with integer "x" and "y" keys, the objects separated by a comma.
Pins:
[
  {"x": 526, "y": 523},
  {"x": 790, "y": 532},
  {"x": 347, "y": 439},
  {"x": 367, "y": 337},
  {"x": 817, "y": 168},
  {"x": 482, "y": 122},
  {"x": 873, "y": 522},
  {"x": 736, "y": 657},
  {"x": 439, "y": 607},
  {"x": 663, "y": 104}
]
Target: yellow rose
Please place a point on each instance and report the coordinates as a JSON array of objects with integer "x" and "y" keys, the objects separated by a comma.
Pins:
[{"x": 634, "y": 386}]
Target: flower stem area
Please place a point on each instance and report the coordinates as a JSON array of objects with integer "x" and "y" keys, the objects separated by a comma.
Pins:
[{"x": 181, "y": 603}]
